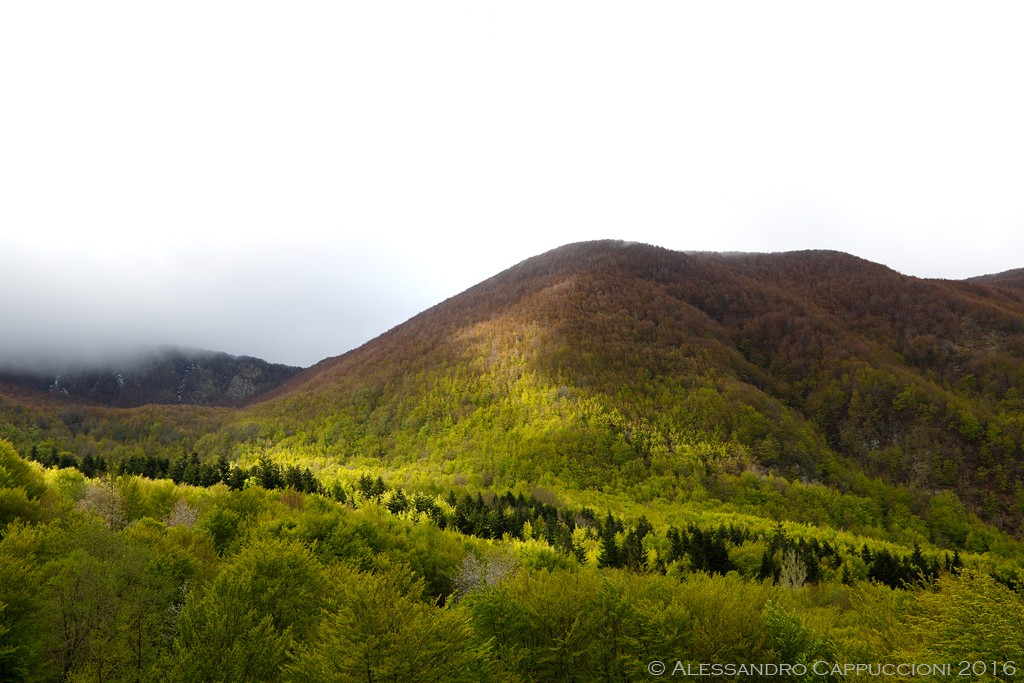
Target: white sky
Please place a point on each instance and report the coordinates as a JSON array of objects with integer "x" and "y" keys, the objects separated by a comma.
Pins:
[{"x": 288, "y": 180}]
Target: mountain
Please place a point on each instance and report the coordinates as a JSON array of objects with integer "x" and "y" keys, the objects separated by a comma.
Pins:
[
  {"x": 612, "y": 365},
  {"x": 166, "y": 375}
]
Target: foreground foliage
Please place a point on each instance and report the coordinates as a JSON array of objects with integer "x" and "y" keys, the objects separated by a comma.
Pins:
[{"x": 132, "y": 579}]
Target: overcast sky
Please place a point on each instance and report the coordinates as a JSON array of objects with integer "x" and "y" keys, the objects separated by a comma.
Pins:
[{"x": 288, "y": 180}]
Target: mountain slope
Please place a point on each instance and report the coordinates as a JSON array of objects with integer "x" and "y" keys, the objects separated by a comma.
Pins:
[{"x": 620, "y": 366}]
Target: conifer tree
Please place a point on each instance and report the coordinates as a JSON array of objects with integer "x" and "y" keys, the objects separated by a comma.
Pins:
[{"x": 609, "y": 555}]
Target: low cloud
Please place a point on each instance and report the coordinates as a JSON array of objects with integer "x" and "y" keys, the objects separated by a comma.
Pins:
[{"x": 293, "y": 304}]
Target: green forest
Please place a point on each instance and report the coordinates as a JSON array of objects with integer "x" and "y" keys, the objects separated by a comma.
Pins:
[
  {"x": 609, "y": 459},
  {"x": 127, "y": 578}
]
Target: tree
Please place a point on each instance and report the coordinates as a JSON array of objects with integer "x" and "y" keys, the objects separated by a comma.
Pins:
[
  {"x": 886, "y": 569},
  {"x": 475, "y": 573},
  {"x": 544, "y": 625},
  {"x": 337, "y": 492},
  {"x": 371, "y": 488},
  {"x": 81, "y": 609},
  {"x": 634, "y": 555},
  {"x": 770, "y": 567},
  {"x": 968, "y": 617},
  {"x": 222, "y": 638},
  {"x": 378, "y": 629},
  {"x": 793, "y": 573},
  {"x": 269, "y": 474},
  {"x": 19, "y": 618},
  {"x": 793, "y": 640},
  {"x": 398, "y": 502},
  {"x": 243, "y": 626},
  {"x": 917, "y": 567},
  {"x": 105, "y": 501},
  {"x": 236, "y": 478},
  {"x": 18, "y": 473},
  {"x": 708, "y": 552},
  {"x": 223, "y": 468},
  {"x": 182, "y": 514},
  {"x": 676, "y": 547},
  {"x": 15, "y": 504},
  {"x": 222, "y": 525},
  {"x": 609, "y": 555}
]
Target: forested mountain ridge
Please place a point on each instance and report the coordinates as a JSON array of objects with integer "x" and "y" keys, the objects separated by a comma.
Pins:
[
  {"x": 1010, "y": 279},
  {"x": 589, "y": 362}
]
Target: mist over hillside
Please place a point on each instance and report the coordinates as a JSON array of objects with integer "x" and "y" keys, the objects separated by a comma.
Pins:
[{"x": 161, "y": 375}]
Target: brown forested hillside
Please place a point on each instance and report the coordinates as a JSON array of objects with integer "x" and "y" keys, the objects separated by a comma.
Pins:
[
  {"x": 1010, "y": 280},
  {"x": 788, "y": 358}
]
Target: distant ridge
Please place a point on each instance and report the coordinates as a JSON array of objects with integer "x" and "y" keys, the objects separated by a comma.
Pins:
[
  {"x": 1010, "y": 279},
  {"x": 165, "y": 375}
]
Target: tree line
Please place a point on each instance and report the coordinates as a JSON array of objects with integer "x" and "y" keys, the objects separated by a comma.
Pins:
[{"x": 635, "y": 546}]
